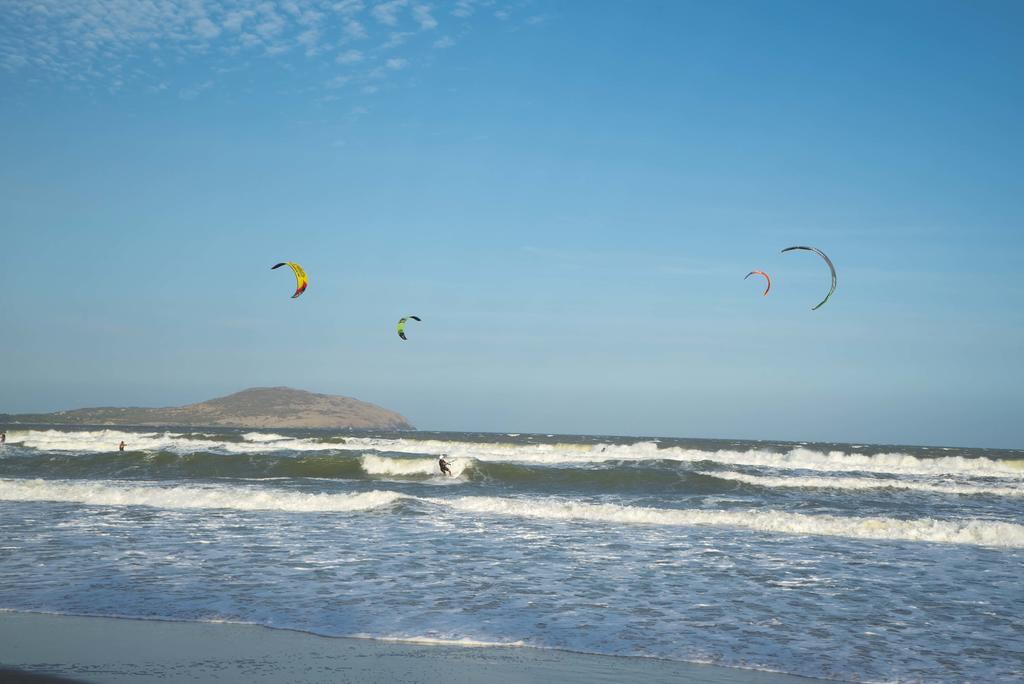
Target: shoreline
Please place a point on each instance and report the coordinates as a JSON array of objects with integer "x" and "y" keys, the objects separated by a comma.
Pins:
[{"x": 117, "y": 649}]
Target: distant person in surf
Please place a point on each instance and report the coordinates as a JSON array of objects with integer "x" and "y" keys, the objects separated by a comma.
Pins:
[
  {"x": 3, "y": 436},
  {"x": 444, "y": 465},
  {"x": 121, "y": 446}
]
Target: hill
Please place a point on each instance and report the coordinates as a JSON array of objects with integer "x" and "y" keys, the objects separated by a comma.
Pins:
[{"x": 257, "y": 407}]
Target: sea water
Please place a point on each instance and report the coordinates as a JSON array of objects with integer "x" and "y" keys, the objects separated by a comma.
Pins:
[{"x": 839, "y": 561}]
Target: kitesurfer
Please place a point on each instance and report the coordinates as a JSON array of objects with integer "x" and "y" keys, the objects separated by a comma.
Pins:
[
  {"x": 121, "y": 446},
  {"x": 3, "y": 436},
  {"x": 444, "y": 466}
]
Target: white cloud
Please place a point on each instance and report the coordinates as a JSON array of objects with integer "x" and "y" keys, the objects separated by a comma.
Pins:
[
  {"x": 348, "y": 7},
  {"x": 193, "y": 92},
  {"x": 349, "y": 57},
  {"x": 353, "y": 29},
  {"x": 387, "y": 12},
  {"x": 206, "y": 28},
  {"x": 233, "y": 20},
  {"x": 395, "y": 39},
  {"x": 271, "y": 25},
  {"x": 309, "y": 39},
  {"x": 464, "y": 8},
  {"x": 113, "y": 44},
  {"x": 421, "y": 13}
]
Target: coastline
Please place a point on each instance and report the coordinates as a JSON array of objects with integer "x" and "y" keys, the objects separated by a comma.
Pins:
[{"x": 102, "y": 649}]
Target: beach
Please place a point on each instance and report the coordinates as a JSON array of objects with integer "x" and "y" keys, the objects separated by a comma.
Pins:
[{"x": 92, "y": 649}]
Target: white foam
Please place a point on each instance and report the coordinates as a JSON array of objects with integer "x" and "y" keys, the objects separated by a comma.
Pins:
[
  {"x": 382, "y": 465},
  {"x": 970, "y": 531},
  {"x": 894, "y": 463},
  {"x": 237, "y": 498},
  {"x": 442, "y": 641},
  {"x": 796, "y": 459},
  {"x": 263, "y": 437},
  {"x": 860, "y": 483},
  {"x": 101, "y": 441}
]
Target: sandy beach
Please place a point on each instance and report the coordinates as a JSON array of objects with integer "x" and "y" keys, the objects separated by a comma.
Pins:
[{"x": 92, "y": 649}]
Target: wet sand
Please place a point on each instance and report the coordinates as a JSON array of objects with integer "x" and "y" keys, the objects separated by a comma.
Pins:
[{"x": 93, "y": 649}]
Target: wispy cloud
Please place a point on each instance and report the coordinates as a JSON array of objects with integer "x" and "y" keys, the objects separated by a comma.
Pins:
[
  {"x": 193, "y": 92},
  {"x": 421, "y": 13},
  {"x": 387, "y": 12},
  {"x": 114, "y": 44},
  {"x": 354, "y": 29},
  {"x": 349, "y": 57},
  {"x": 395, "y": 39}
]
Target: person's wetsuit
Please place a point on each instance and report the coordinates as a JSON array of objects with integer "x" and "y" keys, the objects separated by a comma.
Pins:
[{"x": 444, "y": 466}]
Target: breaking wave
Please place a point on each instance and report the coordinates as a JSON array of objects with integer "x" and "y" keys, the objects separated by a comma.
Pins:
[
  {"x": 858, "y": 483},
  {"x": 978, "y": 532},
  {"x": 968, "y": 531},
  {"x": 799, "y": 458},
  {"x": 424, "y": 467},
  {"x": 101, "y": 441},
  {"x": 795, "y": 459},
  {"x": 237, "y": 498}
]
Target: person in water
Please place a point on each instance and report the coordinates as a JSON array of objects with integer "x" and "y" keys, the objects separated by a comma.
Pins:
[
  {"x": 444, "y": 465},
  {"x": 121, "y": 446},
  {"x": 3, "y": 436}
]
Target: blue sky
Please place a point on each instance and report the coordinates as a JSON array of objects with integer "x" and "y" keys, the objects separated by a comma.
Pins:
[{"x": 568, "y": 194}]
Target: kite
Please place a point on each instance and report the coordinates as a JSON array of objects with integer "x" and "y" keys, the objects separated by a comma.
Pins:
[
  {"x": 401, "y": 325},
  {"x": 301, "y": 281},
  {"x": 765, "y": 277},
  {"x": 830, "y": 267}
]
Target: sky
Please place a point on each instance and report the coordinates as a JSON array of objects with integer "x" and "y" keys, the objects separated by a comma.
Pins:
[{"x": 568, "y": 194}]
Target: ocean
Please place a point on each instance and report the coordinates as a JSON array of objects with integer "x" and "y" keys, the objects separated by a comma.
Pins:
[{"x": 837, "y": 561}]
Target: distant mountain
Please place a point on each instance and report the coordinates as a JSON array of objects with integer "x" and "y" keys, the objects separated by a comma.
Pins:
[{"x": 258, "y": 407}]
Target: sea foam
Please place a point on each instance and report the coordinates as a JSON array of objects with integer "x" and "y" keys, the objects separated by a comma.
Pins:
[
  {"x": 864, "y": 483},
  {"x": 799, "y": 458},
  {"x": 227, "y": 497},
  {"x": 968, "y": 531},
  {"x": 382, "y": 465}
]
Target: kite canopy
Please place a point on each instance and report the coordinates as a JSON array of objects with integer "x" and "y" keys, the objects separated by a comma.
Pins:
[
  {"x": 401, "y": 325},
  {"x": 830, "y": 267},
  {"x": 765, "y": 277},
  {"x": 301, "y": 281}
]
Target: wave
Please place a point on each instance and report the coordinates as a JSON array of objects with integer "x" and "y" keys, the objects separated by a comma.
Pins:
[
  {"x": 799, "y": 458},
  {"x": 424, "y": 467},
  {"x": 970, "y": 531},
  {"x": 101, "y": 441},
  {"x": 619, "y": 476},
  {"x": 860, "y": 483},
  {"x": 441, "y": 641},
  {"x": 977, "y": 532},
  {"x": 167, "y": 464},
  {"x": 895, "y": 463},
  {"x": 177, "y": 497}
]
